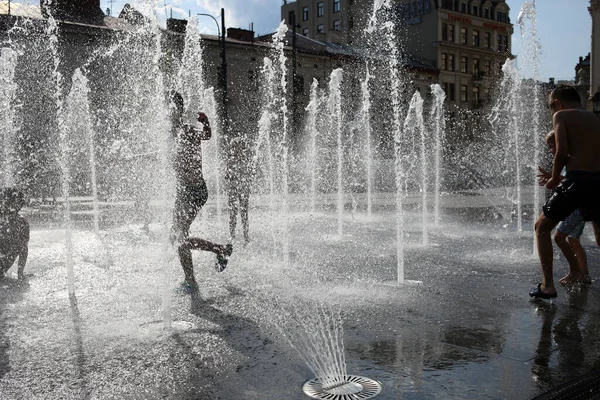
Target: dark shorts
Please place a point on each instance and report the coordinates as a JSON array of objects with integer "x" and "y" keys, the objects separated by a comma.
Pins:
[
  {"x": 188, "y": 203},
  {"x": 572, "y": 226},
  {"x": 579, "y": 190}
]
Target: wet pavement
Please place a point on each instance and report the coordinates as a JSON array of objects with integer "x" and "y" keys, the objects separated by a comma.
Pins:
[{"x": 469, "y": 331}]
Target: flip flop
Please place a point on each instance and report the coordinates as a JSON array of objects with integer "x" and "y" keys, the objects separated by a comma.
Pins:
[{"x": 538, "y": 294}]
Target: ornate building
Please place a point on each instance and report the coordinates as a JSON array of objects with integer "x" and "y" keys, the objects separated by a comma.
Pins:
[{"x": 595, "y": 55}]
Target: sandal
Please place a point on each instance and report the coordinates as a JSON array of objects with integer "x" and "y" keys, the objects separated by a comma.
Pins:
[{"x": 538, "y": 294}]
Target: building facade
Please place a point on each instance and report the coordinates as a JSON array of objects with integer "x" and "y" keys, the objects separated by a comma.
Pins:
[
  {"x": 467, "y": 40},
  {"x": 594, "y": 10},
  {"x": 324, "y": 20}
]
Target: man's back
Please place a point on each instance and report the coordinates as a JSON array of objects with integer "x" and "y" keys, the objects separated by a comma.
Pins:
[{"x": 583, "y": 138}]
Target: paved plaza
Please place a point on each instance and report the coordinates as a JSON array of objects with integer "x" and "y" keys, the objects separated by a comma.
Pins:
[{"x": 469, "y": 331}]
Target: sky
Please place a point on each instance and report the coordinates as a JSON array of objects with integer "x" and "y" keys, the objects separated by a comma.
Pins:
[{"x": 561, "y": 47}]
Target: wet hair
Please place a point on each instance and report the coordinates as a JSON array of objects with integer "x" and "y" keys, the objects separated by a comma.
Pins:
[
  {"x": 12, "y": 198},
  {"x": 566, "y": 94}
]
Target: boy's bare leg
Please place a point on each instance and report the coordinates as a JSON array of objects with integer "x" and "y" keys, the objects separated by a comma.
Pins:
[
  {"x": 185, "y": 258},
  {"x": 543, "y": 231},
  {"x": 194, "y": 243},
  {"x": 233, "y": 211},
  {"x": 584, "y": 274},
  {"x": 244, "y": 216},
  {"x": 560, "y": 238}
]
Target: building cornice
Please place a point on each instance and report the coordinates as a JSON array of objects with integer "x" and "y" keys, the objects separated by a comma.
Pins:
[{"x": 594, "y": 6}]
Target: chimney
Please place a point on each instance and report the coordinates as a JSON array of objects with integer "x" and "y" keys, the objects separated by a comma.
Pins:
[
  {"x": 243, "y": 35},
  {"x": 85, "y": 11}
]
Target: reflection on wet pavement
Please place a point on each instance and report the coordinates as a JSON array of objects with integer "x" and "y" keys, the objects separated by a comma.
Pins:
[{"x": 470, "y": 331}]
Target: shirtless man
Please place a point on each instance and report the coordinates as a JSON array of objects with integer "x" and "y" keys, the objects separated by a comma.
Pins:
[
  {"x": 192, "y": 193},
  {"x": 577, "y": 134},
  {"x": 14, "y": 232},
  {"x": 568, "y": 233}
]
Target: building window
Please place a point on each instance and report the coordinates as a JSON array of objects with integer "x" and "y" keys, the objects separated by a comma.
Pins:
[
  {"x": 443, "y": 65},
  {"x": 476, "y": 67},
  {"x": 499, "y": 39},
  {"x": 451, "y": 33},
  {"x": 336, "y": 6},
  {"x": 305, "y": 14},
  {"x": 451, "y": 91},
  {"x": 320, "y": 9},
  {"x": 488, "y": 68},
  {"x": 505, "y": 40},
  {"x": 463, "y": 7},
  {"x": 305, "y": 31},
  {"x": 476, "y": 96},
  {"x": 320, "y": 28},
  {"x": 486, "y": 12},
  {"x": 463, "y": 36},
  {"x": 455, "y": 5},
  {"x": 502, "y": 17},
  {"x": 450, "y": 62},
  {"x": 337, "y": 25},
  {"x": 444, "y": 31},
  {"x": 464, "y": 96},
  {"x": 476, "y": 10},
  {"x": 291, "y": 18},
  {"x": 475, "y": 38},
  {"x": 464, "y": 62},
  {"x": 487, "y": 41}
]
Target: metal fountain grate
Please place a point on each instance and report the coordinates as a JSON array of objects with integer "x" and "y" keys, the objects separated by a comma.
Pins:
[{"x": 352, "y": 387}]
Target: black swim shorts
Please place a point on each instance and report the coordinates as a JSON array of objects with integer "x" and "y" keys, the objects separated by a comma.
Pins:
[
  {"x": 579, "y": 190},
  {"x": 190, "y": 199}
]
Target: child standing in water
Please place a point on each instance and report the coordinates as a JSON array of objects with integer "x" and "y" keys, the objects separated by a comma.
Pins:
[
  {"x": 14, "y": 232},
  {"x": 568, "y": 233}
]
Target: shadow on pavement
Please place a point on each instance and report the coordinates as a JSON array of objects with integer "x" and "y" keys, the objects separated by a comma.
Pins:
[{"x": 11, "y": 291}]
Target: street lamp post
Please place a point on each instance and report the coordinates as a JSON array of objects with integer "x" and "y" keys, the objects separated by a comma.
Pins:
[{"x": 223, "y": 71}]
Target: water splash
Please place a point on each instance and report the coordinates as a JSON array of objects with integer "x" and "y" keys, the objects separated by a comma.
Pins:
[
  {"x": 415, "y": 127},
  {"x": 531, "y": 61},
  {"x": 8, "y": 123},
  {"x": 315, "y": 330},
  {"x": 334, "y": 108},
  {"x": 365, "y": 117},
  {"x": 439, "y": 122},
  {"x": 311, "y": 128},
  {"x": 508, "y": 121},
  {"x": 81, "y": 135}
]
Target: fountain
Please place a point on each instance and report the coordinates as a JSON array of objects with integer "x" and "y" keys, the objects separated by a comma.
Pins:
[
  {"x": 8, "y": 126},
  {"x": 334, "y": 107},
  {"x": 311, "y": 128},
  {"x": 437, "y": 115},
  {"x": 332, "y": 291}
]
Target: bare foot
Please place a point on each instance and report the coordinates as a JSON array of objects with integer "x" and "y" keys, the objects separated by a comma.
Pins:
[
  {"x": 572, "y": 279},
  {"x": 568, "y": 279}
]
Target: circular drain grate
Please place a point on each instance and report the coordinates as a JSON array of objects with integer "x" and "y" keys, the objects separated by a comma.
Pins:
[{"x": 351, "y": 387}]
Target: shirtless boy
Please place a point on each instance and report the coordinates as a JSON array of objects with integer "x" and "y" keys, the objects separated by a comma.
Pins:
[
  {"x": 192, "y": 193},
  {"x": 568, "y": 233},
  {"x": 577, "y": 134},
  {"x": 14, "y": 232}
]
